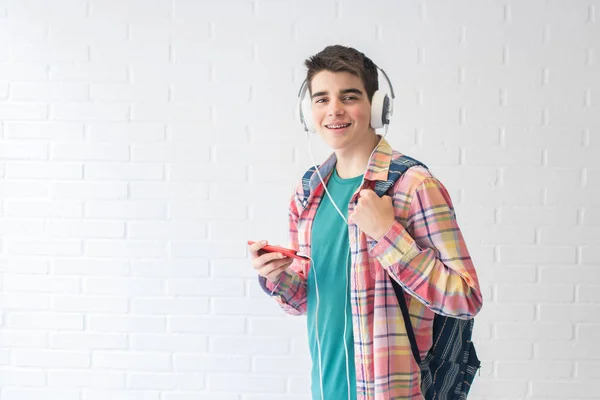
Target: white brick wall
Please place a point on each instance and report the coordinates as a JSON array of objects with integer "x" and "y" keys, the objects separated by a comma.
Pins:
[{"x": 142, "y": 142}]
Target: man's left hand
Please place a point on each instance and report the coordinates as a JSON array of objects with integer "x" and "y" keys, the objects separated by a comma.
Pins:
[{"x": 374, "y": 215}]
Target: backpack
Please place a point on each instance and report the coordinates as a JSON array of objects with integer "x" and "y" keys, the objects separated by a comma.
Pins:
[{"x": 449, "y": 368}]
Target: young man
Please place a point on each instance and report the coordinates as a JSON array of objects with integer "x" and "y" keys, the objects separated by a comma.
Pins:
[{"x": 357, "y": 339}]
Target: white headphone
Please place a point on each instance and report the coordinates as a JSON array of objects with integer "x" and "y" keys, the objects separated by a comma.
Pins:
[{"x": 382, "y": 106}]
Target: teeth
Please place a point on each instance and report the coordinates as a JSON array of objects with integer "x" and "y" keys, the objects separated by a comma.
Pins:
[{"x": 338, "y": 126}]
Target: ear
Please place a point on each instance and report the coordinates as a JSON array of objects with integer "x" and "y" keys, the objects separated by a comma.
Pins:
[{"x": 378, "y": 104}]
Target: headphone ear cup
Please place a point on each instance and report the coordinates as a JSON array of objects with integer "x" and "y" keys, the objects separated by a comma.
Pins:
[
  {"x": 379, "y": 105},
  {"x": 307, "y": 113}
]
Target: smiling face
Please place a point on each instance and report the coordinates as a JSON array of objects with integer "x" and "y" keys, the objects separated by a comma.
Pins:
[{"x": 341, "y": 109}]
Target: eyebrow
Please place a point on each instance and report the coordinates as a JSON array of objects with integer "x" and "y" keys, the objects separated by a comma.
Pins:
[{"x": 345, "y": 91}]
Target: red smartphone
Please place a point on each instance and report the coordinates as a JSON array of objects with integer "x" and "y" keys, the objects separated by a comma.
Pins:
[{"x": 286, "y": 252}]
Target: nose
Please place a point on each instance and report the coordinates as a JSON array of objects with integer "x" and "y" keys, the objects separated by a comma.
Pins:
[{"x": 335, "y": 107}]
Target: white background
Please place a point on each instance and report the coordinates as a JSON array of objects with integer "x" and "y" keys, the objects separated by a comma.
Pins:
[{"x": 143, "y": 142}]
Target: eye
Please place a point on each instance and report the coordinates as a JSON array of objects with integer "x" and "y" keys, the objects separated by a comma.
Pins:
[
  {"x": 320, "y": 100},
  {"x": 350, "y": 98}
]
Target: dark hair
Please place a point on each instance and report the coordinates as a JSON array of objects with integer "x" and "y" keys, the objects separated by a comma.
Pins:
[{"x": 339, "y": 58}]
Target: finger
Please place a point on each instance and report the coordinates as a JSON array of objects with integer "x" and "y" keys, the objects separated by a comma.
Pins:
[
  {"x": 351, "y": 216},
  {"x": 276, "y": 273},
  {"x": 254, "y": 247},
  {"x": 285, "y": 264},
  {"x": 366, "y": 192},
  {"x": 257, "y": 245},
  {"x": 266, "y": 258},
  {"x": 272, "y": 267}
]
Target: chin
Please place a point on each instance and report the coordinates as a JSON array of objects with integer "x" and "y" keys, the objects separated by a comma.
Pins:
[{"x": 336, "y": 142}]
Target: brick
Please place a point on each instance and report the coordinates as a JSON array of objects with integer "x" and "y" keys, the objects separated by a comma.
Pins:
[
  {"x": 169, "y": 152},
  {"x": 48, "y": 92},
  {"x": 534, "y": 331},
  {"x": 20, "y": 71},
  {"x": 50, "y": 52},
  {"x": 538, "y": 216},
  {"x": 246, "y": 383},
  {"x": 41, "y": 284},
  {"x": 537, "y": 254},
  {"x": 170, "y": 112},
  {"x": 580, "y": 235},
  {"x": 39, "y": 170},
  {"x": 168, "y": 190},
  {"x": 23, "y": 151},
  {"x": 588, "y": 294},
  {"x": 131, "y": 361},
  {"x": 89, "y": 267},
  {"x": 23, "y": 265},
  {"x": 124, "y": 248},
  {"x": 124, "y": 171},
  {"x": 41, "y": 247},
  {"x": 39, "y": 394},
  {"x": 169, "y": 306},
  {"x": 15, "y": 190},
  {"x": 535, "y": 293},
  {"x": 51, "y": 358},
  {"x": 126, "y": 209},
  {"x": 569, "y": 275},
  {"x": 125, "y": 286},
  {"x": 23, "y": 111},
  {"x": 41, "y": 9},
  {"x": 19, "y": 227},
  {"x": 123, "y": 324},
  {"x": 90, "y": 304},
  {"x": 580, "y": 389},
  {"x": 23, "y": 300},
  {"x": 128, "y": 92},
  {"x": 207, "y": 325},
  {"x": 23, "y": 338},
  {"x": 89, "y": 190},
  {"x": 86, "y": 379},
  {"x": 88, "y": 341},
  {"x": 212, "y": 363},
  {"x": 129, "y": 394},
  {"x": 178, "y": 343},
  {"x": 129, "y": 10},
  {"x": 126, "y": 132},
  {"x": 566, "y": 313},
  {"x": 85, "y": 229},
  {"x": 130, "y": 52},
  {"x": 205, "y": 287},
  {"x": 90, "y": 152},
  {"x": 166, "y": 381},
  {"x": 89, "y": 111},
  {"x": 88, "y": 72},
  {"x": 197, "y": 249},
  {"x": 170, "y": 268},
  {"x": 22, "y": 377},
  {"x": 88, "y": 30},
  {"x": 45, "y": 321}
]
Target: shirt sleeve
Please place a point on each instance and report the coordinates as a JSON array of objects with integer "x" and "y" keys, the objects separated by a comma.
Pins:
[
  {"x": 290, "y": 290},
  {"x": 428, "y": 256}
]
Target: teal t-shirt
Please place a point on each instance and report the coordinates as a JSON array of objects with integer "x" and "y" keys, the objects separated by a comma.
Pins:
[{"x": 330, "y": 253}]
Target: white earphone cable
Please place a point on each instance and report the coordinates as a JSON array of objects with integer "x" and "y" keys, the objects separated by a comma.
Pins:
[{"x": 346, "y": 268}]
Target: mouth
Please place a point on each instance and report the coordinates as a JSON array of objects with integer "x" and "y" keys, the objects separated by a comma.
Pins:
[{"x": 337, "y": 126}]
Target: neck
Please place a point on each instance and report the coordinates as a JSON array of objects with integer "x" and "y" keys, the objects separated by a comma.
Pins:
[{"x": 353, "y": 162}]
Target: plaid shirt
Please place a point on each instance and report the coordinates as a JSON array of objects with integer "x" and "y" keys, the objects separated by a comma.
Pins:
[{"x": 423, "y": 250}]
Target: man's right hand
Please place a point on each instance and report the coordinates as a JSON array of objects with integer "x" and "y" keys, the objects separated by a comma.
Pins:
[{"x": 268, "y": 265}]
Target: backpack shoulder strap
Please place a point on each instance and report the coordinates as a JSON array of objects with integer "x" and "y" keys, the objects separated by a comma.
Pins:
[
  {"x": 397, "y": 168},
  {"x": 306, "y": 184}
]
